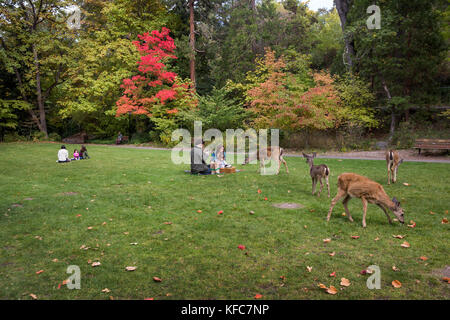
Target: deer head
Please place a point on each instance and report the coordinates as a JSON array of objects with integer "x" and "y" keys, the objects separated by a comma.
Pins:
[
  {"x": 309, "y": 159},
  {"x": 398, "y": 211}
]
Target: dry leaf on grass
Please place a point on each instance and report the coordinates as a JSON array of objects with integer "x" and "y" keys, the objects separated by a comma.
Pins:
[
  {"x": 376, "y": 239},
  {"x": 423, "y": 258},
  {"x": 39, "y": 272},
  {"x": 241, "y": 247},
  {"x": 326, "y": 240},
  {"x": 333, "y": 274},
  {"x": 395, "y": 268},
  {"x": 412, "y": 224},
  {"x": 444, "y": 221},
  {"x": 405, "y": 244},
  {"x": 309, "y": 268},
  {"x": 447, "y": 279},
  {"x": 96, "y": 264},
  {"x": 130, "y": 268},
  {"x": 332, "y": 290},
  {"x": 156, "y": 279},
  {"x": 258, "y": 296},
  {"x": 332, "y": 254},
  {"x": 106, "y": 290},
  {"x": 345, "y": 282},
  {"x": 32, "y": 295},
  {"x": 355, "y": 237},
  {"x": 406, "y": 184},
  {"x": 398, "y": 236},
  {"x": 396, "y": 284}
]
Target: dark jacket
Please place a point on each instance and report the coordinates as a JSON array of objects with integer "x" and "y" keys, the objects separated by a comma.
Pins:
[{"x": 198, "y": 164}]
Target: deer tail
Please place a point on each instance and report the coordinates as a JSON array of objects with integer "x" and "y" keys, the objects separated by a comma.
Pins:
[
  {"x": 327, "y": 171},
  {"x": 391, "y": 155}
]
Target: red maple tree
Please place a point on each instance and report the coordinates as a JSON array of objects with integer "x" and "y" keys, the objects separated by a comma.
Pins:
[{"x": 154, "y": 91}]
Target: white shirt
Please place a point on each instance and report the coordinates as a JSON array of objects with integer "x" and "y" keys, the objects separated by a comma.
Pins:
[{"x": 63, "y": 155}]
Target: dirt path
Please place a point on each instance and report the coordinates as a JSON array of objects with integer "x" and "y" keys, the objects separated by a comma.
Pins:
[{"x": 408, "y": 154}]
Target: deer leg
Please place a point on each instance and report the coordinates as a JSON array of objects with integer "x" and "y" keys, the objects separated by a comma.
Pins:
[
  {"x": 395, "y": 175},
  {"x": 321, "y": 186},
  {"x": 340, "y": 194},
  {"x": 344, "y": 203},
  {"x": 279, "y": 165},
  {"x": 328, "y": 185},
  {"x": 364, "y": 201},
  {"x": 285, "y": 164},
  {"x": 389, "y": 174},
  {"x": 314, "y": 181},
  {"x": 385, "y": 212}
]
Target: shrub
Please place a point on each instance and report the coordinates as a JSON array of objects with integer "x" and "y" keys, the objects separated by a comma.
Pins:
[{"x": 54, "y": 137}]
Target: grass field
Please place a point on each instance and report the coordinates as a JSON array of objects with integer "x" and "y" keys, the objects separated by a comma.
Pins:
[{"x": 133, "y": 207}]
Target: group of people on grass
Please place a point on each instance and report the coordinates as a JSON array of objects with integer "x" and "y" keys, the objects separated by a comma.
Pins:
[
  {"x": 63, "y": 154},
  {"x": 199, "y": 158}
]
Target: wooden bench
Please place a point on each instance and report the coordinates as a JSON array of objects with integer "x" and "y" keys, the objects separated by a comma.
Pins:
[{"x": 432, "y": 144}]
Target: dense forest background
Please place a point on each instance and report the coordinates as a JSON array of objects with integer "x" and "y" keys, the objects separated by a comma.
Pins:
[{"x": 325, "y": 78}]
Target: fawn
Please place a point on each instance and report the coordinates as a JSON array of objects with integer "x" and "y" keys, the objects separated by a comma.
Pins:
[
  {"x": 354, "y": 185},
  {"x": 317, "y": 173},
  {"x": 271, "y": 153},
  {"x": 393, "y": 161}
]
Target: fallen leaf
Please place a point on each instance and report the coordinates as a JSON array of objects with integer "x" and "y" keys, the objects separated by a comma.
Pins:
[
  {"x": 396, "y": 284},
  {"x": 355, "y": 237},
  {"x": 376, "y": 239},
  {"x": 220, "y": 212},
  {"x": 322, "y": 286},
  {"x": 447, "y": 279},
  {"x": 259, "y": 190},
  {"x": 431, "y": 212},
  {"x": 345, "y": 282},
  {"x": 199, "y": 211},
  {"x": 156, "y": 279},
  {"x": 309, "y": 268},
  {"x": 406, "y": 184},
  {"x": 149, "y": 299},
  {"x": 265, "y": 198},
  {"x": 405, "y": 244},
  {"x": 332, "y": 290},
  {"x": 258, "y": 296},
  {"x": 168, "y": 222},
  {"x": 395, "y": 268},
  {"x": 444, "y": 221},
  {"x": 423, "y": 258},
  {"x": 55, "y": 260},
  {"x": 130, "y": 268},
  {"x": 106, "y": 290},
  {"x": 412, "y": 224},
  {"x": 241, "y": 246},
  {"x": 96, "y": 264},
  {"x": 333, "y": 274},
  {"x": 39, "y": 272},
  {"x": 89, "y": 228},
  {"x": 363, "y": 271},
  {"x": 332, "y": 254},
  {"x": 33, "y": 296},
  {"x": 283, "y": 278},
  {"x": 398, "y": 236},
  {"x": 252, "y": 212},
  {"x": 344, "y": 214},
  {"x": 326, "y": 240}
]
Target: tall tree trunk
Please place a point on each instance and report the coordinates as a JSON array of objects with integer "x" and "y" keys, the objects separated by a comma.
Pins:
[
  {"x": 392, "y": 126},
  {"x": 192, "y": 41},
  {"x": 343, "y": 7},
  {"x": 42, "y": 120}
]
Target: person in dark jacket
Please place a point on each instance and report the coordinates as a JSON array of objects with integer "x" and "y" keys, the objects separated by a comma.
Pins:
[
  {"x": 83, "y": 153},
  {"x": 198, "y": 164}
]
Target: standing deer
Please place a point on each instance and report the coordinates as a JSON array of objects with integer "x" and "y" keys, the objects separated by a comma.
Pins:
[
  {"x": 354, "y": 185},
  {"x": 272, "y": 153},
  {"x": 317, "y": 173},
  {"x": 393, "y": 161}
]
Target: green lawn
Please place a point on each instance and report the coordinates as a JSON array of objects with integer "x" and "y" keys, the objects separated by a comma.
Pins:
[{"x": 129, "y": 196}]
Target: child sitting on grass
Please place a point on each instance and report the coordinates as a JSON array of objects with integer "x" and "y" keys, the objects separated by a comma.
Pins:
[{"x": 76, "y": 155}]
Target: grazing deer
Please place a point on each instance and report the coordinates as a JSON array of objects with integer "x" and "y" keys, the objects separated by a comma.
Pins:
[
  {"x": 393, "y": 161},
  {"x": 317, "y": 173},
  {"x": 272, "y": 153},
  {"x": 354, "y": 185}
]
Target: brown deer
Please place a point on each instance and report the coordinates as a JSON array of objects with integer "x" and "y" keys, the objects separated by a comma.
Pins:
[
  {"x": 393, "y": 161},
  {"x": 271, "y": 153},
  {"x": 356, "y": 186},
  {"x": 317, "y": 173}
]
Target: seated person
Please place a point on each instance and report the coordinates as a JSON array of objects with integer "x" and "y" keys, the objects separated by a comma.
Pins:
[
  {"x": 219, "y": 157},
  {"x": 83, "y": 153},
  {"x": 119, "y": 138},
  {"x": 198, "y": 164},
  {"x": 63, "y": 155},
  {"x": 76, "y": 155}
]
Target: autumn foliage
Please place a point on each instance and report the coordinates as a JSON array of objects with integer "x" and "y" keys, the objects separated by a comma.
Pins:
[{"x": 156, "y": 91}]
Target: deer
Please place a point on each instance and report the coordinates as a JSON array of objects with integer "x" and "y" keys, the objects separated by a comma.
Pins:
[
  {"x": 356, "y": 186},
  {"x": 393, "y": 161},
  {"x": 270, "y": 153},
  {"x": 317, "y": 173}
]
